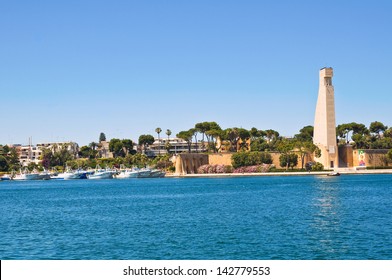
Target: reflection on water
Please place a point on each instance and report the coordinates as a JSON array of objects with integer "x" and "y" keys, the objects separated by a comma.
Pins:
[{"x": 326, "y": 222}]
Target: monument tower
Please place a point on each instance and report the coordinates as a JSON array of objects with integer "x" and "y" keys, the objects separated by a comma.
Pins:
[{"x": 324, "y": 135}]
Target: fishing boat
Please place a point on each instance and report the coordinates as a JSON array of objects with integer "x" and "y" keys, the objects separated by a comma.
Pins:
[
  {"x": 26, "y": 175},
  {"x": 100, "y": 173},
  {"x": 144, "y": 173},
  {"x": 71, "y": 175},
  {"x": 127, "y": 173},
  {"x": 44, "y": 175},
  {"x": 6, "y": 177},
  {"x": 156, "y": 173}
]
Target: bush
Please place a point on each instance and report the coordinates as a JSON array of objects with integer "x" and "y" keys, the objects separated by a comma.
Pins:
[
  {"x": 250, "y": 158},
  {"x": 290, "y": 160},
  {"x": 214, "y": 169},
  {"x": 254, "y": 169},
  {"x": 317, "y": 167}
]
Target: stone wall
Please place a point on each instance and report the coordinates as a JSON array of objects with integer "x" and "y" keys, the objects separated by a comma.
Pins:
[
  {"x": 368, "y": 157},
  {"x": 220, "y": 158},
  {"x": 189, "y": 163}
]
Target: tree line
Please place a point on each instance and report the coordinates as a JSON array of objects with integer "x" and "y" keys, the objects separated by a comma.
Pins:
[{"x": 210, "y": 137}]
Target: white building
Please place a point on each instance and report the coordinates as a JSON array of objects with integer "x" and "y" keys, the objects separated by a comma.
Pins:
[
  {"x": 32, "y": 154},
  {"x": 176, "y": 146}
]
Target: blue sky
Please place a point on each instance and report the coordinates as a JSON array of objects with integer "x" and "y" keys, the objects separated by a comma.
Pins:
[{"x": 72, "y": 69}]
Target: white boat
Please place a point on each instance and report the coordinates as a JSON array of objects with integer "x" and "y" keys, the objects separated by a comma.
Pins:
[
  {"x": 102, "y": 173},
  {"x": 70, "y": 175},
  {"x": 26, "y": 175},
  {"x": 144, "y": 173},
  {"x": 6, "y": 177},
  {"x": 44, "y": 175},
  {"x": 156, "y": 173},
  {"x": 127, "y": 173}
]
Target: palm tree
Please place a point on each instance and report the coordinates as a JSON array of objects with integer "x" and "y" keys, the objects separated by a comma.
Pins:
[
  {"x": 93, "y": 145},
  {"x": 158, "y": 130},
  {"x": 168, "y": 133}
]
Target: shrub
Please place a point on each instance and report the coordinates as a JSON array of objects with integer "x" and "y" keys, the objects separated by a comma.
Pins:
[
  {"x": 317, "y": 167},
  {"x": 254, "y": 169},
  {"x": 290, "y": 160},
  {"x": 250, "y": 158},
  {"x": 214, "y": 169}
]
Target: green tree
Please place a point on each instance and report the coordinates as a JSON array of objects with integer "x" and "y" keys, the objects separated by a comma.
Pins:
[
  {"x": 128, "y": 146},
  {"x": 377, "y": 128},
  {"x": 47, "y": 159},
  {"x": 232, "y": 135},
  {"x": 285, "y": 147},
  {"x": 210, "y": 130},
  {"x": 87, "y": 152},
  {"x": 187, "y": 136},
  {"x": 259, "y": 145},
  {"x": 288, "y": 160},
  {"x": 271, "y": 135},
  {"x": 116, "y": 146},
  {"x": 244, "y": 135},
  {"x": 167, "y": 145},
  {"x": 305, "y": 149},
  {"x": 202, "y": 128},
  {"x": 12, "y": 158},
  {"x": 250, "y": 158},
  {"x": 3, "y": 163},
  {"x": 61, "y": 155},
  {"x": 305, "y": 134},
  {"x": 102, "y": 137},
  {"x": 158, "y": 130},
  {"x": 93, "y": 145},
  {"x": 145, "y": 140}
]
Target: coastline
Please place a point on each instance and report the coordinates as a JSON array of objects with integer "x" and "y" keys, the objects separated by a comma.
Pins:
[{"x": 317, "y": 173}]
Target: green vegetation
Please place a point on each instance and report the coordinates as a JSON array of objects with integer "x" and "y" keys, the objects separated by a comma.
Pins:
[
  {"x": 250, "y": 158},
  {"x": 102, "y": 137},
  {"x": 249, "y": 147},
  {"x": 377, "y": 136},
  {"x": 145, "y": 140}
]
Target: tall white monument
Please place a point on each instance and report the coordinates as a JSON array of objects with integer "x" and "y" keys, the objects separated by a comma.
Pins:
[{"x": 324, "y": 135}]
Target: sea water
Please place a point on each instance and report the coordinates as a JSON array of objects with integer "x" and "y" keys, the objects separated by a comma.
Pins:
[{"x": 296, "y": 217}]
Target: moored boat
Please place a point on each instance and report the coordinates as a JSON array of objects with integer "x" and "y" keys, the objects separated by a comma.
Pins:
[
  {"x": 6, "y": 177},
  {"x": 144, "y": 173},
  {"x": 102, "y": 173},
  {"x": 333, "y": 174},
  {"x": 156, "y": 173},
  {"x": 127, "y": 173},
  {"x": 71, "y": 175},
  {"x": 26, "y": 175}
]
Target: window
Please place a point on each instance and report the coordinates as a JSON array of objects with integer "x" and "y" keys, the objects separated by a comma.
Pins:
[{"x": 328, "y": 81}]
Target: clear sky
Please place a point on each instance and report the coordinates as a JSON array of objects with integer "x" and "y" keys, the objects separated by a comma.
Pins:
[{"x": 72, "y": 69}]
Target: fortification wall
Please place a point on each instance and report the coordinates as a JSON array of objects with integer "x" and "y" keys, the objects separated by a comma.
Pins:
[
  {"x": 369, "y": 158},
  {"x": 189, "y": 163},
  {"x": 220, "y": 159}
]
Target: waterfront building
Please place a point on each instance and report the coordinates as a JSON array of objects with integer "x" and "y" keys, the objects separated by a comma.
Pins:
[
  {"x": 174, "y": 145},
  {"x": 28, "y": 154},
  {"x": 72, "y": 147},
  {"x": 32, "y": 154},
  {"x": 324, "y": 122}
]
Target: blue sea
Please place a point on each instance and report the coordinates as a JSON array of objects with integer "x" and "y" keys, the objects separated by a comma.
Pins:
[{"x": 295, "y": 218}]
